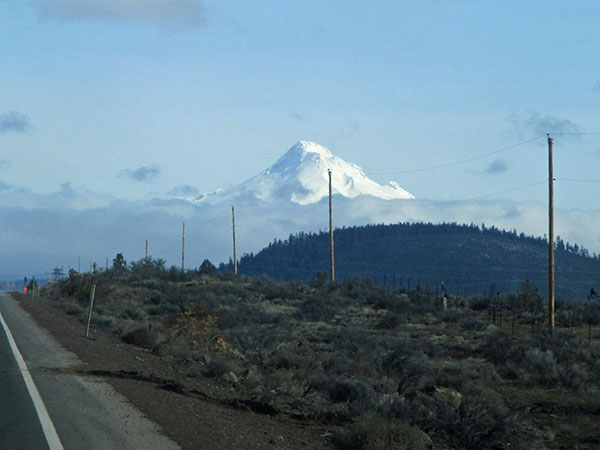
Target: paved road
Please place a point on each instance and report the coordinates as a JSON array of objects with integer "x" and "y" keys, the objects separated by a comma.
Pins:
[
  {"x": 87, "y": 413},
  {"x": 20, "y": 427}
]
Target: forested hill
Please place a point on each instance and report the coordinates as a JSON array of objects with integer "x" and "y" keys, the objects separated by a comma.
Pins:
[{"x": 467, "y": 258}]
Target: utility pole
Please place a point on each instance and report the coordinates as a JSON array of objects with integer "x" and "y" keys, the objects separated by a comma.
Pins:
[
  {"x": 183, "y": 249},
  {"x": 550, "y": 236},
  {"x": 79, "y": 264},
  {"x": 332, "y": 264},
  {"x": 146, "y": 249},
  {"x": 234, "y": 249}
]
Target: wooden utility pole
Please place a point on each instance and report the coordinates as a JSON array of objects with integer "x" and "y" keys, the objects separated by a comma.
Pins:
[
  {"x": 146, "y": 249},
  {"x": 550, "y": 236},
  {"x": 183, "y": 249},
  {"x": 332, "y": 263},
  {"x": 234, "y": 249}
]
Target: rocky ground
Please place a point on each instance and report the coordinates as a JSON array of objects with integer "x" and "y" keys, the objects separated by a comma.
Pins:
[{"x": 192, "y": 412}]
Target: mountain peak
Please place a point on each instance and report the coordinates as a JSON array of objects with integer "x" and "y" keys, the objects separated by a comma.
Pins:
[
  {"x": 301, "y": 176},
  {"x": 311, "y": 147},
  {"x": 297, "y": 156}
]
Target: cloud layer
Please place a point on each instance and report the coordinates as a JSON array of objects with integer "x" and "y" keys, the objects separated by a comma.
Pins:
[
  {"x": 14, "y": 122},
  {"x": 173, "y": 15},
  {"x": 41, "y": 231}
]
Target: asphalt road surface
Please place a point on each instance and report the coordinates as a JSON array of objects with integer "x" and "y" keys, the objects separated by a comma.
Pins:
[
  {"x": 85, "y": 412},
  {"x": 20, "y": 427}
]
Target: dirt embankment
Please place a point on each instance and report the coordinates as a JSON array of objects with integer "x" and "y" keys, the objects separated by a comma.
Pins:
[{"x": 191, "y": 412}]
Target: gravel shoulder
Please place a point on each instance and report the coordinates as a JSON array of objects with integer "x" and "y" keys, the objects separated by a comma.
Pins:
[{"x": 190, "y": 411}]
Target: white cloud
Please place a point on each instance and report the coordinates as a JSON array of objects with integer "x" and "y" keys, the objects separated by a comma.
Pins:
[{"x": 170, "y": 14}]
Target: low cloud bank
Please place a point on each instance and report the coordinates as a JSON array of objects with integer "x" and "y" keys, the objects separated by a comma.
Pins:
[{"x": 39, "y": 232}]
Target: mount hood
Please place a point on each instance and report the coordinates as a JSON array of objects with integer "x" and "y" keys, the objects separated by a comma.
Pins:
[{"x": 301, "y": 176}]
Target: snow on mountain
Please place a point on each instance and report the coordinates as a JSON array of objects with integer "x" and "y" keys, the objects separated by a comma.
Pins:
[{"x": 301, "y": 176}]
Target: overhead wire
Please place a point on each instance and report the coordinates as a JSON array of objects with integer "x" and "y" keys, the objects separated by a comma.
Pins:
[
  {"x": 577, "y": 180},
  {"x": 462, "y": 161},
  {"x": 507, "y": 191},
  {"x": 485, "y": 155},
  {"x": 576, "y": 134}
]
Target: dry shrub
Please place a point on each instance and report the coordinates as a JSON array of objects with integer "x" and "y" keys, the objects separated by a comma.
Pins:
[
  {"x": 452, "y": 315},
  {"x": 473, "y": 419},
  {"x": 388, "y": 321},
  {"x": 468, "y": 324},
  {"x": 195, "y": 323},
  {"x": 217, "y": 366},
  {"x": 141, "y": 336},
  {"x": 373, "y": 432},
  {"x": 285, "y": 358},
  {"x": 72, "y": 308},
  {"x": 98, "y": 319},
  {"x": 343, "y": 390}
]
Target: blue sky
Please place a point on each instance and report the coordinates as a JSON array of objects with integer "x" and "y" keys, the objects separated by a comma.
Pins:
[{"x": 143, "y": 99}]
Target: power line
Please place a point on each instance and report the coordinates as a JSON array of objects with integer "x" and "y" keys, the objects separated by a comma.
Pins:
[
  {"x": 577, "y": 180},
  {"x": 575, "y": 134},
  {"x": 462, "y": 161},
  {"x": 507, "y": 191}
]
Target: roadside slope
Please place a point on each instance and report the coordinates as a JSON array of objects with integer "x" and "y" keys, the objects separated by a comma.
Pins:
[{"x": 184, "y": 411}]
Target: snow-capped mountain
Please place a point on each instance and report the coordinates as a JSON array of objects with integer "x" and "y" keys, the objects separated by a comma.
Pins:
[{"x": 301, "y": 176}]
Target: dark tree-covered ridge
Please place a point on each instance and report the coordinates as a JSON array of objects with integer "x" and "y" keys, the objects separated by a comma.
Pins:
[{"x": 468, "y": 258}]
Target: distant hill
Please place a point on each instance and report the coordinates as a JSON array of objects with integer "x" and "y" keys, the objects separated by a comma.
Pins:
[{"x": 469, "y": 259}]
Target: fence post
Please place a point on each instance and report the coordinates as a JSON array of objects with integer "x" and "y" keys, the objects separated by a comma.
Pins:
[{"x": 87, "y": 327}]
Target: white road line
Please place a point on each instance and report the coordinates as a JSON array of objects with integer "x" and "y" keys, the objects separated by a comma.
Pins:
[{"x": 47, "y": 425}]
